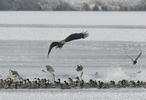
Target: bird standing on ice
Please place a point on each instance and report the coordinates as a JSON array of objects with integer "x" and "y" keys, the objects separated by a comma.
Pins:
[{"x": 71, "y": 37}]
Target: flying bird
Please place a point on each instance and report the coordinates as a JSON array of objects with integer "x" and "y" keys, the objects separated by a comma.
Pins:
[
  {"x": 15, "y": 74},
  {"x": 135, "y": 60},
  {"x": 79, "y": 69},
  {"x": 71, "y": 37},
  {"x": 51, "y": 71}
]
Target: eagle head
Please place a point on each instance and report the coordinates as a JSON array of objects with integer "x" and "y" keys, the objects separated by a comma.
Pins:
[{"x": 61, "y": 43}]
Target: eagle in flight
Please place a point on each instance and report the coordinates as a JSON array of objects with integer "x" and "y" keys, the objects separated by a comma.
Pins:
[{"x": 71, "y": 37}]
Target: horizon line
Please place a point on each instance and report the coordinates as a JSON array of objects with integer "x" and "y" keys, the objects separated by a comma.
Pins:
[{"x": 73, "y": 26}]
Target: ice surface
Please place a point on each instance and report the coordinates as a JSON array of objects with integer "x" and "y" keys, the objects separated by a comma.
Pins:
[
  {"x": 121, "y": 26},
  {"x": 102, "y": 60},
  {"x": 73, "y": 18},
  {"x": 79, "y": 94}
]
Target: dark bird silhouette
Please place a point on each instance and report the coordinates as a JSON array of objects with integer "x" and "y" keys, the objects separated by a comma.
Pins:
[
  {"x": 135, "y": 60},
  {"x": 71, "y": 37}
]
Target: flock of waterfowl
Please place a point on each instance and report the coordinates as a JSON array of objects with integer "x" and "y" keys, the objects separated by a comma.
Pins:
[
  {"x": 11, "y": 82},
  {"x": 38, "y": 83}
]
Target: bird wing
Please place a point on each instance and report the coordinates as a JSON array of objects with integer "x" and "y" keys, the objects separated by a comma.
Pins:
[
  {"x": 14, "y": 72},
  {"x": 76, "y": 36},
  {"x": 138, "y": 55},
  {"x": 43, "y": 71},
  {"x": 130, "y": 57},
  {"x": 50, "y": 68},
  {"x": 53, "y": 44}
]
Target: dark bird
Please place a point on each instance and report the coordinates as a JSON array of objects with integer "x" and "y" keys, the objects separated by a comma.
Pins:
[
  {"x": 135, "y": 60},
  {"x": 71, "y": 37}
]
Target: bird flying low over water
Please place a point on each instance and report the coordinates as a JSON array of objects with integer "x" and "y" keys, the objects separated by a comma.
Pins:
[
  {"x": 51, "y": 71},
  {"x": 71, "y": 37},
  {"x": 13, "y": 72},
  {"x": 135, "y": 60}
]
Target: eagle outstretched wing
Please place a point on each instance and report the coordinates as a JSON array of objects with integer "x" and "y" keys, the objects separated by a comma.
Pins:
[
  {"x": 53, "y": 44},
  {"x": 76, "y": 36},
  {"x": 71, "y": 37}
]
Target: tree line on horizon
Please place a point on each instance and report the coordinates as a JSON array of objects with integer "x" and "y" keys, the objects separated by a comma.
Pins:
[{"x": 63, "y": 5}]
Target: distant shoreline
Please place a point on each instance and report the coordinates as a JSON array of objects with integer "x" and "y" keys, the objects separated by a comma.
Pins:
[{"x": 73, "y": 5}]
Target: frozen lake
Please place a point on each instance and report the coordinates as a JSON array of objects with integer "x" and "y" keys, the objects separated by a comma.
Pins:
[
  {"x": 113, "y": 26},
  {"x": 108, "y": 59},
  {"x": 79, "y": 94},
  {"x": 25, "y": 38}
]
